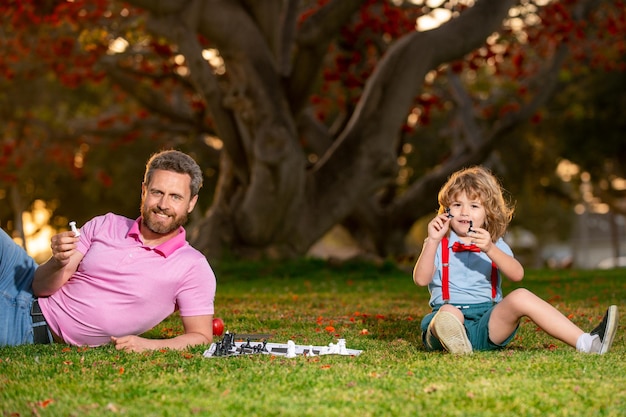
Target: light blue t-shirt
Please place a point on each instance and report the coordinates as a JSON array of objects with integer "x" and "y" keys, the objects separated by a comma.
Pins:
[{"x": 469, "y": 275}]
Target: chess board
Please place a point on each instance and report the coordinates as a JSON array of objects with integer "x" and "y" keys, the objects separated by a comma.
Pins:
[{"x": 228, "y": 347}]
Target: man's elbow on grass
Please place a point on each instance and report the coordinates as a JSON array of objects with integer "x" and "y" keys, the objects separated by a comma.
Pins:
[
  {"x": 208, "y": 339},
  {"x": 193, "y": 339},
  {"x": 188, "y": 340}
]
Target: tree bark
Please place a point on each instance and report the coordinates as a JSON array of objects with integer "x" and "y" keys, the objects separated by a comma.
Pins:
[{"x": 270, "y": 199}]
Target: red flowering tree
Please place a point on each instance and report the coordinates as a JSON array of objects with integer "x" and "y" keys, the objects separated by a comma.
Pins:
[
  {"x": 333, "y": 112},
  {"x": 69, "y": 135}
]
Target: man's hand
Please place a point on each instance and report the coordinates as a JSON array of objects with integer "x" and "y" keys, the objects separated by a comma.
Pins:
[
  {"x": 56, "y": 271},
  {"x": 63, "y": 247},
  {"x": 132, "y": 343},
  {"x": 198, "y": 331}
]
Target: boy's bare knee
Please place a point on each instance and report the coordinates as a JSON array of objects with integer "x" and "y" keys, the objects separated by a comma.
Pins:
[
  {"x": 519, "y": 295},
  {"x": 452, "y": 309}
]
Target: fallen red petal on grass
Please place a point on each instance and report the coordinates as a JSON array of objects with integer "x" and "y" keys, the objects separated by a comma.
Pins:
[{"x": 45, "y": 403}]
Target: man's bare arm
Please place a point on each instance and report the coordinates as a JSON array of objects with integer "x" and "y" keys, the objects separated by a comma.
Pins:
[
  {"x": 198, "y": 331},
  {"x": 56, "y": 271}
]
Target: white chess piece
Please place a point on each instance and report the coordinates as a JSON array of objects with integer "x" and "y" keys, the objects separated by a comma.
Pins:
[
  {"x": 291, "y": 349},
  {"x": 342, "y": 347},
  {"x": 74, "y": 229}
]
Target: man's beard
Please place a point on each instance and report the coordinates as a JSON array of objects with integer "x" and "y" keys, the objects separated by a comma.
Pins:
[{"x": 148, "y": 214}]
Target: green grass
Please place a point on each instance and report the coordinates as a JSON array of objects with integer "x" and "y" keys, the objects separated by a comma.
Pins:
[{"x": 311, "y": 302}]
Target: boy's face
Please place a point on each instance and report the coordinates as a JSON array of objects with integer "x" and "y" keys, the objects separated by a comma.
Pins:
[{"x": 465, "y": 210}]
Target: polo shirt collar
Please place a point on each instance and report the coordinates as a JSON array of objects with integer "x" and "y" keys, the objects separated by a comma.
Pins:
[{"x": 166, "y": 248}]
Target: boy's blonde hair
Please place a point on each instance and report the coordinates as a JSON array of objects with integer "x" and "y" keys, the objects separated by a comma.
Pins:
[{"x": 480, "y": 184}]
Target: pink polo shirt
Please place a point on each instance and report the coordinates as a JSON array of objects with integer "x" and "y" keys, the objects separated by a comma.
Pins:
[{"x": 123, "y": 287}]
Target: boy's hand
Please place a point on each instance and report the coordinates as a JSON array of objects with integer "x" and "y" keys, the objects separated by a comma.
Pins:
[
  {"x": 481, "y": 238},
  {"x": 438, "y": 227}
]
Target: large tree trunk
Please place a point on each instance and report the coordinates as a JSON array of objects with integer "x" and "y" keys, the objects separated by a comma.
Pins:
[{"x": 269, "y": 200}]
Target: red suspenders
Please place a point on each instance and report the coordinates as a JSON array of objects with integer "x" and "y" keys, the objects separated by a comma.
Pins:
[{"x": 445, "y": 278}]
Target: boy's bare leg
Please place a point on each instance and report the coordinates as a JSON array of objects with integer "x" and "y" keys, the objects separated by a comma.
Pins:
[{"x": 521, "y": 302}]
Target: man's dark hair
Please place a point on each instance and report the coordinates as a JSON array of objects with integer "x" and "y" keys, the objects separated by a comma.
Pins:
[{"x": 175, "y": 161}]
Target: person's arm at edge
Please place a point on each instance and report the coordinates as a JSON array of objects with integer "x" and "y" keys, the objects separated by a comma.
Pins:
[{"x": 198, "y": 331}]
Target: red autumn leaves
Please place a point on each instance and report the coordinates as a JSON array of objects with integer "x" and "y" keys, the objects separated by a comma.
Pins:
[{"x": 364, "y": 323}]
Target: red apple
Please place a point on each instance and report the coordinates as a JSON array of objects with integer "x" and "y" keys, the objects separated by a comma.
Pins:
[{"x": 218, "y": 326}]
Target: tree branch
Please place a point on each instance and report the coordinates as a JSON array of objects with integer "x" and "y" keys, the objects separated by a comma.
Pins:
[
  {"x": 363, "y": 159},
  {"x": 151, "y": 99},
  {"x": 312, "y": 42},
  {"x": 205, "y": 83},
  {"x": 277, "y": 21}
]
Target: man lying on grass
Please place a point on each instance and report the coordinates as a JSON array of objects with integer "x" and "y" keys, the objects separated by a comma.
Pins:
[
  {"x": 461, "y": 262},
  {"x": 117, "y": 277}
]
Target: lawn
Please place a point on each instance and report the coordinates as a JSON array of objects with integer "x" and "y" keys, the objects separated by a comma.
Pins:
[{"x": 377, "y": 309}]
